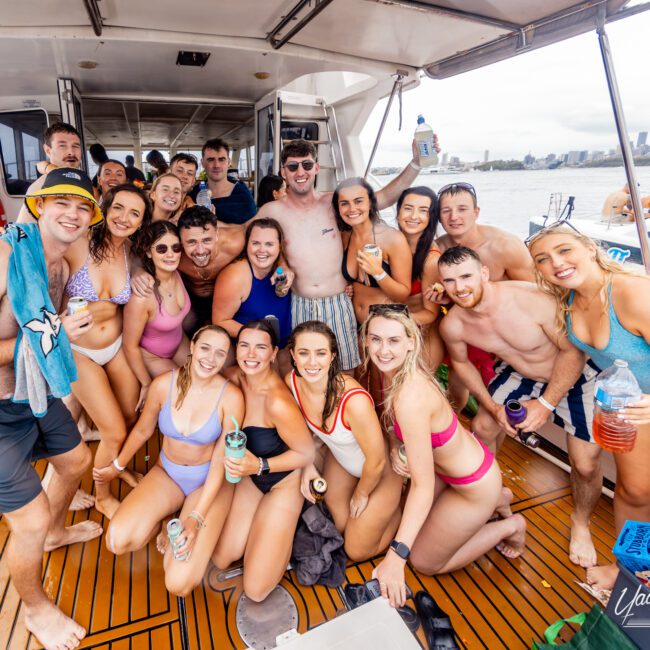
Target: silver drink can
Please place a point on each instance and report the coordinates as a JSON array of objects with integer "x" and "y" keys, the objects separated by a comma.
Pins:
[
  {"x": 174, "y": 529},
  {"x": 75, "y": 304},
  {"x": 373, "y": 249}
]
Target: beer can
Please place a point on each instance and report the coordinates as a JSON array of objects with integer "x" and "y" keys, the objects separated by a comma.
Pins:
[
  {"x": 373, "y": 249},
  {"x": 174, "y": 530},
  {"x": 402, "y": 453},
  {"x": 317, "y": 488},
  {"x": 75, "y": 304}
]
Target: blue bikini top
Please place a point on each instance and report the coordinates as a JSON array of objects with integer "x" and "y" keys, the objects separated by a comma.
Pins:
[{"x": 204, "y": 435}]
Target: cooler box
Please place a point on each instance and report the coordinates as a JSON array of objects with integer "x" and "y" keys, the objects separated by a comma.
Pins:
[
  {"x": 629, "y": 607},
  {"x": 632, "y": 547}
]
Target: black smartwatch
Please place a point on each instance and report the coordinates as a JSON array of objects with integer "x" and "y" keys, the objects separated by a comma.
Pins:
[
  {"x": 401, "y": 549},
  {"x": 265, "y": 467}
]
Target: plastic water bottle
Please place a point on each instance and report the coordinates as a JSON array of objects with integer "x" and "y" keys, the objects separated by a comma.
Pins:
[
  {"x": 280, "y": 285},
  {"x": 616, "y": 387},
  {"x": 204, "y": 197},
  {"x": 424, "y": 140}
]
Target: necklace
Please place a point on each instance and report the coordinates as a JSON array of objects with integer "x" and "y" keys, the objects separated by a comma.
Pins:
[{"x": 205, "y": 278}]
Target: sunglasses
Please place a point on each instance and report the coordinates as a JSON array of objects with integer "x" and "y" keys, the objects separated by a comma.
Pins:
[
  {"x": 556, "y": 224},
  {"x": 307, "y": 165},
  {"x": 456, "y": 187},
  {"x": 161, "y": 249},
  {"x": 394, "y": 308}
]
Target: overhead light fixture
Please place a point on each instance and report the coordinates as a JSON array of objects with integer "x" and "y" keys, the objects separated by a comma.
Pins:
[
  {"x": 88, "y": 64},
  {"x": 262, "y": 75}
]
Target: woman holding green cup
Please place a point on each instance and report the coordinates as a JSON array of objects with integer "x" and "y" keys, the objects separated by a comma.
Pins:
[
  {"x": 267, "y": 501},
  {"x": 192, "y": 407}
]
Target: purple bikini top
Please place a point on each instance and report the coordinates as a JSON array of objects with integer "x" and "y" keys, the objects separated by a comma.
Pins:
[
  {"x": 80, "y": 284},
  {"x": 204, "y": 435}
]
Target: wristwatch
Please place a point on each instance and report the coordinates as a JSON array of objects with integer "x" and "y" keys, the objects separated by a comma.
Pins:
[
  {"x": 401, "y": 549},
  {"x": 265, "y": 469}
]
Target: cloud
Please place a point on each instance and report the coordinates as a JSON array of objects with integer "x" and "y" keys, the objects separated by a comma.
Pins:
[{"x": 550, "y": 100}]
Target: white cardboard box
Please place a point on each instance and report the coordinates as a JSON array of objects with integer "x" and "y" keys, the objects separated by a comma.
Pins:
[{"x": 373, "y": 626}]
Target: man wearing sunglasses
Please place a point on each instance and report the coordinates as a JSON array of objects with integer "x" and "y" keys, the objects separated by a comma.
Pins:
[
  {"x": 233, "y": 202},
  {"x": 538, "y": 366},
  {"x": 503, "y": 253},
  {"x": 313, "y": 246}
]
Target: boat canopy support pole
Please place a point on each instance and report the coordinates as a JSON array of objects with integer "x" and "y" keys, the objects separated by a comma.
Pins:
[
  {"x": 623, "y": 137},
  {"x": 399, "y": 78}
]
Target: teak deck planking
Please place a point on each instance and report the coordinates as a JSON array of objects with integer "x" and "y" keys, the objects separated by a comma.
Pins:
[{"x": 493, "y": 603}]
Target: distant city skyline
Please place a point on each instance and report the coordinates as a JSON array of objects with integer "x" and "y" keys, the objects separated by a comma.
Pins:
[{"x": 553, "y": 99}]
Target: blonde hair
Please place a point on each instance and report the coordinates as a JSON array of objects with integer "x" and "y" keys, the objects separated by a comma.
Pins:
[
  {"x": 413, "y": 364},
  {"x": 159, "y": 180},
  {"x": 184, "y": 379},
  {"x": 562, "y": 295}
]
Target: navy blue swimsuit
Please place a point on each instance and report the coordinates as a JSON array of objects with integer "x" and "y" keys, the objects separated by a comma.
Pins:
[{"x": 262, "y": 302}]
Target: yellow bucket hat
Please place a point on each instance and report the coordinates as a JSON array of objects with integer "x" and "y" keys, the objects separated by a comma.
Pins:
[{"x": 66, "y": 181}]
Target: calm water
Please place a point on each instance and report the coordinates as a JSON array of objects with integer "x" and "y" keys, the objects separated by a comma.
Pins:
[{"x": 509, "y": 199}]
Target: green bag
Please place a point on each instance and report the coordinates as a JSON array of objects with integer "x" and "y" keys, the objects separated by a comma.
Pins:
[{"x": 598, "y": 632}]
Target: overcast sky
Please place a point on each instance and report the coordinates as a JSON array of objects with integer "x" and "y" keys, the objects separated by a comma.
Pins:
[{"x": 550, "y": 100}]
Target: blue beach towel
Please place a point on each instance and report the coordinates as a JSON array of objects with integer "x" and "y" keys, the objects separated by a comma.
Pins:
[{"x": 43, "y": 361}]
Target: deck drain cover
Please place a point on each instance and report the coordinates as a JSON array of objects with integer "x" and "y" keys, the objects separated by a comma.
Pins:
[{"x": 260, "y": 623}]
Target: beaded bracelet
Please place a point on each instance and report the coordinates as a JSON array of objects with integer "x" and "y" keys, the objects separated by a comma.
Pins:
[{"x": 198, "y": 517}]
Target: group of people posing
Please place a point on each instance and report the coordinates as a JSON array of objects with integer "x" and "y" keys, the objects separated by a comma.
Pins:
[{"x": 315, "y": 328}]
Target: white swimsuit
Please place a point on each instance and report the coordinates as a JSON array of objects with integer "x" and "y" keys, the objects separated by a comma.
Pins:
[{"x": 339, "y": 439}]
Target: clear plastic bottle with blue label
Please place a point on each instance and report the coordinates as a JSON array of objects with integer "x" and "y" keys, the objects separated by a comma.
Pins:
[
  {"x": 616, "y": 387},
  {"x": 424, "y": 140},
  {"x": 204, "y": 197}
]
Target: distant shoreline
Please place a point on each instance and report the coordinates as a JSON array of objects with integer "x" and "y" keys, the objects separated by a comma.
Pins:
[{"x": 517, "y": 165}]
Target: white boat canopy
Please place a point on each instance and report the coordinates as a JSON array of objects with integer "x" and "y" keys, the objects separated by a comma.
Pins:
[{"x": 123, "y": 55}]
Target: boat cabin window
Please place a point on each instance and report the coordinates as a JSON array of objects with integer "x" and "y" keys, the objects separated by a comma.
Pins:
[{"x": 21, "y": 147}]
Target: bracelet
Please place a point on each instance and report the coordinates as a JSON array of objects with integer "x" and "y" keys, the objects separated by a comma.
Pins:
[
  {"x": 198, "y": 517},
  {"x": 117, "y": 466},
  {"x": 545, "y": 404},
  {"x": 415, "y": 166},
  {"x": 261, "y": 467},
  {"x": 381, "y": 276}
]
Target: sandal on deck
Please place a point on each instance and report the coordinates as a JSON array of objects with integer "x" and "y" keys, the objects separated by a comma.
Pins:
[{"x": 436, "y": 625}]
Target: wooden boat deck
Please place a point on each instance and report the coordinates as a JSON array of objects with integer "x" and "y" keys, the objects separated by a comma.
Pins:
[{"x": 493, "y": 603}]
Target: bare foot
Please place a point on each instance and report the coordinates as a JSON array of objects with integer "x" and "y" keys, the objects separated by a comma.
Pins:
[
  {"x": 107, "y": 505},
  {"x": 87, "y": 434},
  {"x": 130, "y": 478},
  {"x": 581, "y": 547},
  {"x": 84, "y": 531},
  {"x": 602, "y": 577},
  {"x": 90, "y": 435},
  {"x": 82, "y": 501},
  {"x": 162, "y": 541},
  {"x": 503, "y": 507},
  {"x": 514, "y": 545},
  {"x": 53, "y": 628}
]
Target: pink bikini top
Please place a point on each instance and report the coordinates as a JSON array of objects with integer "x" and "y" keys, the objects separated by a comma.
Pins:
[{"x": 437, "y": 439}]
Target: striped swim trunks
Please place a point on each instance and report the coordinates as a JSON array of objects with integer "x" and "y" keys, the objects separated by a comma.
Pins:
[
  {"x": 574, "y": 413},
  {"x": 336, "y": 312}
]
